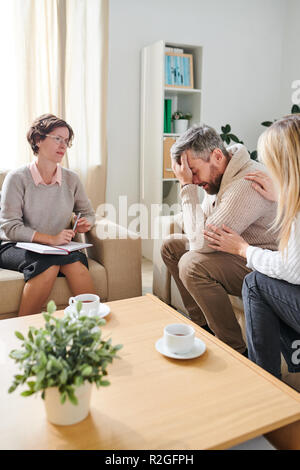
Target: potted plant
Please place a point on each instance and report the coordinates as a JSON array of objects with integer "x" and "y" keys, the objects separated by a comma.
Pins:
[
  {"x": 181, "y": 121},
  {"x": 62, "y": 360},
  {"x": 227, "y": 136}
]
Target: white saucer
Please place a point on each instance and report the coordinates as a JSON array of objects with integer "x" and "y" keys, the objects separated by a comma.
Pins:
[
  {"x": 197, "y": 350},
  {"x": 103, "y": 311}
]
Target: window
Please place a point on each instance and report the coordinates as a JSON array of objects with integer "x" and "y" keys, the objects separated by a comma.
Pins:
[{"x": 8, "y": 87}]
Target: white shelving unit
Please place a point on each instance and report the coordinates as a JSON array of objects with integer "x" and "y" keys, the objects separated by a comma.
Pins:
[{"x": 155, "y": 189}]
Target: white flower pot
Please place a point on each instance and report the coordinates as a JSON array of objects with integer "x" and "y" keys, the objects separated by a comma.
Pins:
[
  {"x": 180, "y": 125},
  {"x": 68, "y": 413}
]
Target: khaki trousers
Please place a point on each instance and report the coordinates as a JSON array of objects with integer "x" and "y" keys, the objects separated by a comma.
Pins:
[{"x": 204, "y": 281}]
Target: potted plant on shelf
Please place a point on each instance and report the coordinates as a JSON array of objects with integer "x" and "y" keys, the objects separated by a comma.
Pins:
[
  {"x": 62, "y": 360},
  {"x": 181, "y": 121}
]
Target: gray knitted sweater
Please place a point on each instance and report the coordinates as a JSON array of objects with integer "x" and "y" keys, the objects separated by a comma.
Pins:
[{"x": 27, "y": 208}]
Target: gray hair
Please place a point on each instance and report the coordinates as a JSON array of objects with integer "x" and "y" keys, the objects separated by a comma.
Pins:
[{"x": 202, "y": 140}]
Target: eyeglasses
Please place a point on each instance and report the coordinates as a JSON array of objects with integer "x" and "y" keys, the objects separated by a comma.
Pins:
[{"x": 59, "y": 140}]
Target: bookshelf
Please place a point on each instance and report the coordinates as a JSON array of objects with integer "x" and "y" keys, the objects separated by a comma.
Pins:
[{"x": 158, "y": 185}]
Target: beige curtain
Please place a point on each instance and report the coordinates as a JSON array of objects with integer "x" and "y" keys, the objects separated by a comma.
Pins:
[
  {"x": 40, "y": 77},
  {"x": 62, "y": 63},
  {"x": 86, "y": 91}
]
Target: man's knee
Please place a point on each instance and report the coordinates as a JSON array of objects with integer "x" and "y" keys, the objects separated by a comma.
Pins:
[
  {"x": 191, "y": 266},
  {"x": 173, "y": 246},
  {"x": 165, "y": 248}
]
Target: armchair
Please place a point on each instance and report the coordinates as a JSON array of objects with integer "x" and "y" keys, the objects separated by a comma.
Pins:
[{"x": 115, "y": 266}]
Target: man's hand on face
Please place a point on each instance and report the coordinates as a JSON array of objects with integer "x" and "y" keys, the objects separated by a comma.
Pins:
[{"x": 183, "y": 171}]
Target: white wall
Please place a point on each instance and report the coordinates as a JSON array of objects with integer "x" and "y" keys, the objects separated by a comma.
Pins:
[
  {"x": 291, "y": 54},
  {"x": 242, "y": 43}
]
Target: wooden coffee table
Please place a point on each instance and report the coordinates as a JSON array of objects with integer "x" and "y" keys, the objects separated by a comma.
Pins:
[{"x": 215, "y": 401}]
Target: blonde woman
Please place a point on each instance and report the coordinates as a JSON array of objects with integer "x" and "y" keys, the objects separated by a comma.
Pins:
[
  {"x": 271, "y": 293},
  {"x": 36, "y": 206}
]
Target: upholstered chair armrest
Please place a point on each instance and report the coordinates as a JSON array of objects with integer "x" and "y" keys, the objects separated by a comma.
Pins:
[
  {"x": 166, "y": 225},
  {"x": 119, "y": 251}
]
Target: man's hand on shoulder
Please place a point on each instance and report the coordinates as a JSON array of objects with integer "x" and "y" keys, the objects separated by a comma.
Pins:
[{"x": 183, "y": 171}]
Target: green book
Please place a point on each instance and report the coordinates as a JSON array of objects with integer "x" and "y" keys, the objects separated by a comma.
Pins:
[
  {"x": 165, "y": 116},
  {"x": 169, "y": 116}
]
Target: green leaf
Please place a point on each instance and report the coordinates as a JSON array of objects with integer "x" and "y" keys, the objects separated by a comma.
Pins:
[
  {"x": 295, "y": 109},
  {"x": 27, "y": 393},
  {"x": 30, "y": 334},
  {"x": 51, "y": 307},
  {"x": 72, "y": 396},
  {"x": 47, "y": 317},
  {"x": 267, "y": 123},
  {"x": 78, "y": 381},
  {"x": 54, "y": 363},
  {"x": 234, "y": 138},
  {"x": 87, "y": 371},
  {"x": 227, "y": 128},
  {"x": 19, "y": 355},
  {"x": 94, "y": 356},
  {"x": 79, "y": 306},
  {"x": 253, "y": 155},
  {"x": 19, "y": 378},
  {"x": 63, "y": 376},
  {"x": 19, "y": 335},
  {"x": 63, "y": 397},
  {"x": 104, "y": 383},
  {"x": 28, "y": 346},
  {"x": 42, "y": 358},
  {"x": 12, "y": 388},
  {"x": 41, "y": 375},
  {"x": 31, "y": 384}
]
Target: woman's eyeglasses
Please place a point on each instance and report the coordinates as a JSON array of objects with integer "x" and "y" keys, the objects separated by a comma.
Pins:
[{"x": 59, "y": 140}]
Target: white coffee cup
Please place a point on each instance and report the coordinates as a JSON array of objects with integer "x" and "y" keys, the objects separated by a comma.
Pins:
[
  {"x": 89, "y": 303},
  {"x": 179, "y": 338}
]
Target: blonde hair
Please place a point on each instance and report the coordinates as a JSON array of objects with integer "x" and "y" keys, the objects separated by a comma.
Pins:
[{"x": 279, "y": 150}]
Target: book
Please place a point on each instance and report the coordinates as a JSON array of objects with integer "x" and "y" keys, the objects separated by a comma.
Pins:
[
  {"x": 168, "y": 116},
  {"x": 165, "y": 117},
  {"x": 53, "y": 250},
  {"x": 178, "y": 50}
]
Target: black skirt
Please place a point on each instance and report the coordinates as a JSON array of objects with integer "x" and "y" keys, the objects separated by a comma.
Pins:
[{"x": 31, "y": 264}]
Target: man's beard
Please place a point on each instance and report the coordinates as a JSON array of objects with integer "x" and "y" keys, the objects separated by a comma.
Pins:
[{"x": 214, "y": 186}]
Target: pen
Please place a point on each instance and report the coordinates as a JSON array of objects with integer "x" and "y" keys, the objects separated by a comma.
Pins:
[{"x": 75, "y": 225}]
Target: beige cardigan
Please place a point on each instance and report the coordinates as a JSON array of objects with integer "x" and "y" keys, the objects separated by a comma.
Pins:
[{"x": 236, "y": 205}]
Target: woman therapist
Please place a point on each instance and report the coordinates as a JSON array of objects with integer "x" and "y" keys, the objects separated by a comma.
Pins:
[{"x": 36, "y": 206}]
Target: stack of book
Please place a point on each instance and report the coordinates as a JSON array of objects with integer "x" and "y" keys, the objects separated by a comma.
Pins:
[{"x": 176, "y": 50}]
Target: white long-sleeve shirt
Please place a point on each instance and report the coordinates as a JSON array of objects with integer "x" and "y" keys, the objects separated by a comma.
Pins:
[{"x": 286, "y": 265}]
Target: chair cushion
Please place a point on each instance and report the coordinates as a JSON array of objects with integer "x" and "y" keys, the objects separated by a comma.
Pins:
[
  {"x": 3, "y": 173},
  {"x": 11, "y": 288},
  {"x": 12, "y": 284}
]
